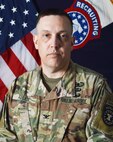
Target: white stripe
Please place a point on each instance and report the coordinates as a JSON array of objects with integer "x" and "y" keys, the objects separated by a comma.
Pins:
[
  {"x": 24, "y": 56},
  {"x": 34, "y": 31},
  {"x": 6, "y": 74},
  {"x": 104, "y": 9},
  {"x": 0, "y": 106}
]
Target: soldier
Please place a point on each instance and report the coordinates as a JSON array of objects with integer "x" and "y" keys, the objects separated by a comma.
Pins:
[{"x": 61, "y": 101}]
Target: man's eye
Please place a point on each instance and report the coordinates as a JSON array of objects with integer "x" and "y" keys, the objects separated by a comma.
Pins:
[
  {"x": 63, "y": 36},
  {"x": 46, "y": 35}
]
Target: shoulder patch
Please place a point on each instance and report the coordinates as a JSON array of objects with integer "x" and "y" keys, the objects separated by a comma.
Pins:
[{"x": 108, "y": 114}]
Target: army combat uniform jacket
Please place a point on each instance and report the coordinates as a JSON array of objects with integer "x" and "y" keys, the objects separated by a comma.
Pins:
[{"x": 78, "y": 109}]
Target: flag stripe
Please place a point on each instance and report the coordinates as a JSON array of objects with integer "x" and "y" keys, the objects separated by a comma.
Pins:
[
  {"x": 6, "y": 75},
  {"x": 1, "y": 104},
  {"x": 28, "y": 42},
  {"x": 13, "y": 62},
  {"x": 24, "y": 55},
  {"x": 3, "y": 90}
]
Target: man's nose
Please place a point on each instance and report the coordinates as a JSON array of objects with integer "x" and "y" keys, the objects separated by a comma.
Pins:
[{"x": 55, "y": 41}]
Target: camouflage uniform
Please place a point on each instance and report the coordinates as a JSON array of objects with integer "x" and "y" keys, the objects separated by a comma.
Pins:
[{"x": 78, "y": 109}]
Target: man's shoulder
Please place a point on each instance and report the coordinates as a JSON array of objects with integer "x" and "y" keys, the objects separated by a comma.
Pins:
[
  {"x": 24, "y": 83},
  {"x": 87, "y": 75},
  {"x": 86, "y": 71},
  {"x": 29, "y": 74},
  {"x": 26, "y": 78}
]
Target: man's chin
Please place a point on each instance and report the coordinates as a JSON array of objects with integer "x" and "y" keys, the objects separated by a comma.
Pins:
[{"x": 54, "y": 64}]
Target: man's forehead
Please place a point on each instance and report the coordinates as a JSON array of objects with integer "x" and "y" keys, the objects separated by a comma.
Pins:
[
  {"x": 46, "y": 31},
  {"x": 62, "y": 18},
  {"x": 47, "y": 16},
  {"x": 52, "y": 22}
]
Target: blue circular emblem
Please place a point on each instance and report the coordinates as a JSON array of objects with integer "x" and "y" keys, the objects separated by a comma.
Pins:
[
  {"x": 80, "y": 27},
  {"x": 86, "y": 22},
  {"x": 108, "y": 115}
]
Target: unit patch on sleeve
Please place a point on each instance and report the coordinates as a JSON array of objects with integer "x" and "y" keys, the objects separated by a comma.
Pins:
[{"x": 108, "y": 114}]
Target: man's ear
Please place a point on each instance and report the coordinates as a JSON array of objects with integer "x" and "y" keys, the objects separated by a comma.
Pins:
[{"x": 35, "y": 40}]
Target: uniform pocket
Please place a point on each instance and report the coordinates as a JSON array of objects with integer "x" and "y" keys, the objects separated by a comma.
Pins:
[
  {"x": 76, "y": 128},
  {"x": 20, "y": 117}
]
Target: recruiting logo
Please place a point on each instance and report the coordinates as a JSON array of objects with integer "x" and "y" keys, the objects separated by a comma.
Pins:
[{"x": 86, "y": 22}]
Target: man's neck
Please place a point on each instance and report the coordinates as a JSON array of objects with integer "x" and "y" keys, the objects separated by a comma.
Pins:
[{"x": 54, "y": 73}]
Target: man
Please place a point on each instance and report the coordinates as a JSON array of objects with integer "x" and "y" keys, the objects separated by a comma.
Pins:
[{"x": 61, "y": 101}]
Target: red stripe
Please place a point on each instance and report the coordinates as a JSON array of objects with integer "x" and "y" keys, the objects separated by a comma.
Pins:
[
  {"x": 28, "y": 42},
  {"x": 13, "y": 62},
  {"x": 3, "y": 90}
]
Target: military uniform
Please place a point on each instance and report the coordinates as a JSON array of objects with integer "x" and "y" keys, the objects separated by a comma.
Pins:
[{"x": 78, "y": 109}]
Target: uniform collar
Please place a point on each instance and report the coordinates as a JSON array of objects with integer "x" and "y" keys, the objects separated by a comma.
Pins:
[{"x": 65, "y": 87}]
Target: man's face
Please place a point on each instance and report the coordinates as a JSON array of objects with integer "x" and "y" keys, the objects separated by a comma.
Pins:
[{"x": 54, "y": 41}]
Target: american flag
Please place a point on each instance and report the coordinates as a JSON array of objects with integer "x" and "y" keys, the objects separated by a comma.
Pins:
[{"x": 17, "y": 51}]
